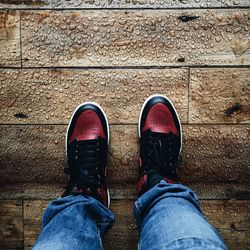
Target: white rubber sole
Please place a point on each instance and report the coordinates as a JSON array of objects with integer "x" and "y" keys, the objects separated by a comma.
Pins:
[
  {"x": 108, "y": 197},
  {"x": 143, "y": 106},
  {"x": 108, "y": 134}
]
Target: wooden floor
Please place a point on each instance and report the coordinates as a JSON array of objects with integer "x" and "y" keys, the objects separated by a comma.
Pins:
[{"x": 56, "y": 54}]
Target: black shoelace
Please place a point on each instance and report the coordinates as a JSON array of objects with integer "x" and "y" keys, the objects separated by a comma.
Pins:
[
  {"x": 160, "y": 153},
  {"x": 84, "y": 164}
]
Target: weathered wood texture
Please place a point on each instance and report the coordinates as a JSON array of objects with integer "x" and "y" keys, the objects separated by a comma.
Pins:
[
  {"x": 215, "y": 161},
  {"x": 229, "y": 217},
  {"x": 219, "y": 96},
  {"x": 232, "y": 220},
  {"x": 64, "y": 4},
  {"x": 11, "y": 225},
  {"x": 135, "y": 38},
  {"x": 50, "y": 96},
  {"x": 216, "y": 95},
  {"x": 10, "y": 54}
]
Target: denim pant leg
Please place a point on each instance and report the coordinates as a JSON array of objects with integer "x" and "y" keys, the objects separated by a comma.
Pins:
[
  {"x": 169, "y": 217},
  {"x": 74, "y": 222}
]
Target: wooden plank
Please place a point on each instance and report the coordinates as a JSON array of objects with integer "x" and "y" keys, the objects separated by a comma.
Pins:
[
  {"x": 215, "y": 161},
  {"x": 33, "y": 211},
  {"x": 135, "y": 38},
  {"x": 232, "y": 220},
  {"x": 50, "y": 96},
  {"x": 229, "y": 217},
  {"x": 124, "y": 234},
  {"x": 62, "y": 4},
  {"x": 11, "y": 225},
  {"x": 10, "y": 39},
  {"x": 215, "y": 158},
  {"x": 219, "y": 96}
]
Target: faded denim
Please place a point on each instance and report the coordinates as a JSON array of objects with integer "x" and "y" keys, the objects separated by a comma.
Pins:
[{"x": 168, "y": 217}]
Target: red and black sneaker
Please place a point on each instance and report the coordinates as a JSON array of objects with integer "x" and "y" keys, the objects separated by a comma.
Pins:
[
  {"x": 87, "y": 142},
  {"x": 160, "y": 143}
]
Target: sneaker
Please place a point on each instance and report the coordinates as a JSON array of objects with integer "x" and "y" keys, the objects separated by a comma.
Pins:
[
  {"x": 87, "y": 140},
  {"x": 160, "y": 143}
]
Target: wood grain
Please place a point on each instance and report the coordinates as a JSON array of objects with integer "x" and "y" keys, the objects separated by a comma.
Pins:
[
  {"x": 229, "y": 217},
  {"x": 232, "y": 220},
  {"x": 215, "y": 161},
  {"x": 10, "y": 55},
  {"x": 64, "y": 4},
  {"x": 11, "y": 224},
  {"x": 50, "y": 96},
  {"x": 219, "y": 96},
  {"x": 135, "y": 38}
]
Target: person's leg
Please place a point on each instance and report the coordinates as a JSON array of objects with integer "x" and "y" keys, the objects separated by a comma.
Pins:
[
  {"x": 81, "y": 217},
  {"x": 168, "y": 214},
  {"x": 169, "y": 217},
  {"x": 74, "y": 222}
]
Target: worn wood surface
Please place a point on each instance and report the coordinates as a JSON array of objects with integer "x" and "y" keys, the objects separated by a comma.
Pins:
[
  {"x": 64, "y": 4},
  {"x": 216, "y": 95},
  {"x": 11, "y": 224},
  {"x": 10, "y": 54},
  {"x": 229, "y": 217},
  {"x": 33, "y": 158},
  {"x": 232, "y": 220},
  {"x": 110, "y": 56},
  {"x": 50, "y": 96},
  {"x": 135, "y": 38},
  {"x": 219, "y": 96}
]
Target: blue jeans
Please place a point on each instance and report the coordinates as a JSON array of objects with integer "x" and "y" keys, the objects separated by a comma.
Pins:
[{"x": 168, "y": 217}]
